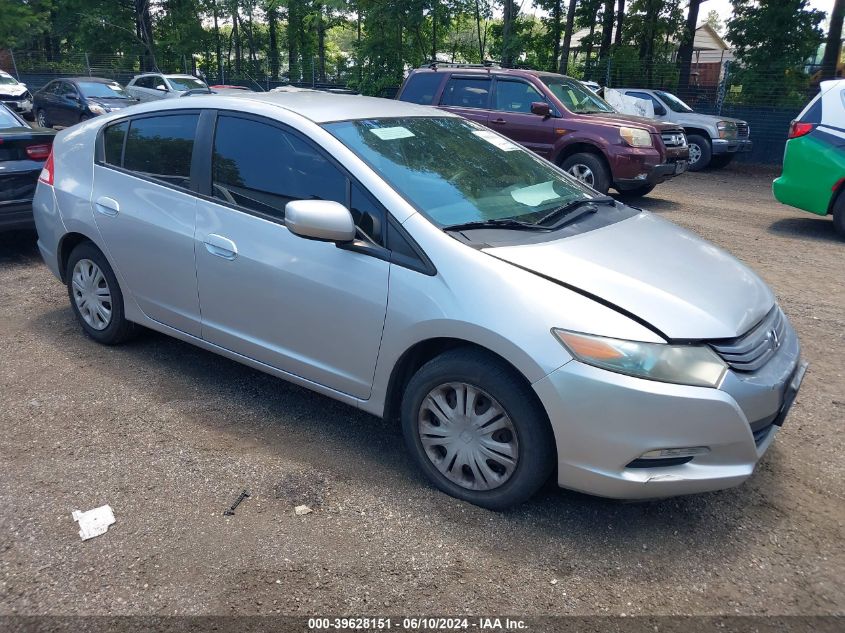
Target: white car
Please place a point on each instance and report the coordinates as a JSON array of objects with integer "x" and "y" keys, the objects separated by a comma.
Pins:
[
  {"x": 155, "y": 86},
  {"x": 14, "y": 95}
]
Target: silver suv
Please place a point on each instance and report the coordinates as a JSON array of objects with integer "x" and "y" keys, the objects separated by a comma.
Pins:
[
  {"x": 155, "y": 86},
  {"x": 713, "y": 140},
  {"x": 421, "y": 267}
]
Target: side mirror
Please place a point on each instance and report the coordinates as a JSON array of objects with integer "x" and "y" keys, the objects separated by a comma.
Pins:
[
  {"x": 659, "y": 110},
  {"x": 541, "y": 108},
  {"x": 320, "y": 220},
  {"x": 161, "y": 87}
]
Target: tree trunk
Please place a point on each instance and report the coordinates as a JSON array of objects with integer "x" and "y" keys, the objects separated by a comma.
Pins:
[
  {"x": 481, "y": 41},
  {"x": 557, "y": 10},
  {"x": 830, "y": 61},
  {"x": 434, "y": 30},
  {"x": 144, "y": 26},
  {"x": 620, "y": 20},
  {"x": 236, "y": 38},
  {"x": 508, "y": 23},
  {"x": 606, "y": 29},
  {"x": 293, "y": 41},
  {"x": 567, "y": 37},
  {"x": 321, "y": 44},
  {"x": 219, "y": 50},
  {"x": 273, "y": 28},
  {"x": 685, "y": 50}
]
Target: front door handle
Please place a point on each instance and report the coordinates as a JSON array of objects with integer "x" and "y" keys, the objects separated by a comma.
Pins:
[
  {"x": 498, "y": 121},
  {"x": 107, "y": 206},
  {"x": 220, "y": 246}
]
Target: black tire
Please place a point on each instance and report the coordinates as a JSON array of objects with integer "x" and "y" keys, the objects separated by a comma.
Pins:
[
  {"x": 41, "y": 118},
  {"x": 536, "y": 450},
  {"x": 118, "y": 329},
  {"x": 706, "y": 153},
  {"x": 596, "y": 165},
  {"x": 639, "y": 192},
  {"x": 721, "y": 161},
  {"x": 838, "y": 212}
]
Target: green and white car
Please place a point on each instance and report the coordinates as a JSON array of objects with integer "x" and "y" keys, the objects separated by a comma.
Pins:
[{"x": 813, "y": 177}]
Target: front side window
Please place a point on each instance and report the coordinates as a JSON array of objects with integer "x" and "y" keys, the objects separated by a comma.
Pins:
[
  {"x": 575, "y": 95},
  {"x": 673, "y": 102},
  {"x": 421, "y": 88},
  {"x": 467, "y": 92},
  {"x": 516, "y": 96},
  {"x": 262, "y": 168},
  {"x": 456, "y": 171},
  {"x": 113, "y": 143},
  {"x": 161, "y": 147},
  {"x": 186, "y": 83}
]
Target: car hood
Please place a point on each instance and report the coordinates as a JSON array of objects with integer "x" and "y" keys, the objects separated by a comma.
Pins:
[
  {"x": 686, "y": 288},
  {"x": 616, "y": 118},
  {"x": 15, "y": 90},
  {"x": 694, "y": 118}
]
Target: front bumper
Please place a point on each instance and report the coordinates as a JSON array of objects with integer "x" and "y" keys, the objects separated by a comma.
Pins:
[
  {"x": 724, "y": 146},
  {"x": 21, "y": 106},
  {"x": 654, "y": 176},
  {"x": 603, "y": 421}
]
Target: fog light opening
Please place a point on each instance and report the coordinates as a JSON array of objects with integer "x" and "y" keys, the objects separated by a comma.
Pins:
[{"x": 664, "y": 457}]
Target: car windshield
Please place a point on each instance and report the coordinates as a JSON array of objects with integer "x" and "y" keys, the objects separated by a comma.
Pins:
[
  {"x": 186, "y": 83},
  {"x": 575, "y": 95},
  {"x": 673, "y": 102},
  {"x": 456, "y": 171},
  {"x": 7, "y": 119},
  {"x": 6, "y": 80},
  {"x": 100, "y": 90}
]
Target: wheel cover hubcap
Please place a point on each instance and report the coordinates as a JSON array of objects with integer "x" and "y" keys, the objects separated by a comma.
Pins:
[
  {"x": 42, "y": 120},
  {"x": 91, "y": 294},
  {"x": 694, "y": 154},
  {"x": 467, "y": 436},
  {"x": 583, "y": 173}
]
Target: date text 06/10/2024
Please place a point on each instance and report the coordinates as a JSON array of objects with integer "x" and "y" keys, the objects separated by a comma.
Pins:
[{"x": 417, "y": 624}]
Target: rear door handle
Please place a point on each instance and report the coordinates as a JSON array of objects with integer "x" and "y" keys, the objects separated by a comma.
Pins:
[
  {"x": 220, "y": 246},
  {"x": 107, "y": 206},
  {"x": 498, "y": 121}
]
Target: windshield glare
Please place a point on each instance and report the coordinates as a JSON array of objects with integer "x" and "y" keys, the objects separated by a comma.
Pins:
[
  {"x": 575, "y": 95},
  {"x": 186, "y": 83},
  {"x": 455, "y": 171},
  {"x": 6, "y": 80},
  {"x": 104, "y": 91},
  {"x": 673, "y": 102}
]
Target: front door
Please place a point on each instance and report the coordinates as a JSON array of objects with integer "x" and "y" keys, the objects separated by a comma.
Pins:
[
  {"x": 303, "y": 306},
  {"x": 512, "y": 116},
  {"x": 146, "y": 214}
]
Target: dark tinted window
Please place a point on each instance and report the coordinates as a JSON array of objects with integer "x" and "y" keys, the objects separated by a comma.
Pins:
[
  {"x": 161, "y": 146},
  {"x": 516, "y": 96},
  {"x": 261, "y": 167},
  {"x": 113, "y": 142},
  {"x": 67, "y": 90},
  {"x": 367, "y": 214},
  {"x": 467, "y": 93},
  {"x": 421, "y": 88}
]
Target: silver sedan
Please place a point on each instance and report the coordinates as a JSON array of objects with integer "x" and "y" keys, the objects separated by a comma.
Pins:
[{"x": 423, "y": 268}]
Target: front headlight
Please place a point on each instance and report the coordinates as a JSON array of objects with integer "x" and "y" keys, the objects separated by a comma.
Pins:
[
  {"x": 635, "y": 137},
  {"x": 695, "y": 365},
  {"x": 97, "y": 108},
  {"x": 727, "y": 129}
]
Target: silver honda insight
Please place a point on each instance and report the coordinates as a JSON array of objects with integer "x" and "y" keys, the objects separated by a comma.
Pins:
[{"x": 423, "y": 268}]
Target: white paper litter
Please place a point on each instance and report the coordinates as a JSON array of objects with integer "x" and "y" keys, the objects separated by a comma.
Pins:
[
  {"x": 535, "y": 195},
  {"x": 301, "y": 510},
  {"x": 392, "y": 133},
  {"x": 93, "y": 522},
  {"x": 626, "y": 104}
]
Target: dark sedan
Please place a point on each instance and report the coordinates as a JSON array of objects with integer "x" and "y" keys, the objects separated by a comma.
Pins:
[
  {"x": 23, "y": 152},
  {"x": 69, "y": 101}
]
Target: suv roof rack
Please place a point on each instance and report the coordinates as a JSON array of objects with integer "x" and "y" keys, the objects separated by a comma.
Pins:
[{"x": 434, "y": 65}]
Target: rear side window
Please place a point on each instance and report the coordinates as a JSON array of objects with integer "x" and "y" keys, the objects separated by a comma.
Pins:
[
  {"x": 466, "y": 92},
  {"x": 516, "y": 96},
  {"x": 262, "y": 168},
  {"x": 161, "y": 147},
  {"x": 113, "y": 143},
  {"x": 421, "y": 88}
]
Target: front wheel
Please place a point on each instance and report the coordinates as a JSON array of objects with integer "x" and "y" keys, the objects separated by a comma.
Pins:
[
  {"x": 476, "y": 429},
  {"x": 589, "y": 169},
  {"x": 41, "y": 117},
  {"x": 699, "y": 152}
]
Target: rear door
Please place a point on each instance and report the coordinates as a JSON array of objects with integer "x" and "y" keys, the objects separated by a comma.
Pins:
[
  {"x": 511, "y": 115},
  {"x": 146, "y": 212},
  {"x": 468, "y": 96},
  {"x": 68, "y": 105}
]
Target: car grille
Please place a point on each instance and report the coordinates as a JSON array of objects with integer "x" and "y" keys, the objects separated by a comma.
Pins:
[
  {"x": 742, "y": 129},
  {"x": 8, "y": 97},
  {"x": 674, "y": 138},
  {"x": 753, "y": 349}
]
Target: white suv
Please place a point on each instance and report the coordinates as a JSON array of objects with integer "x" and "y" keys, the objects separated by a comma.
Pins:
[{"x": 154, "y": 86}]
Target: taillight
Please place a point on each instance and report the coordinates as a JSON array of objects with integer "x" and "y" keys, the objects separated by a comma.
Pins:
[
  {"x": 47, "y": 172},
  {"x": 38, "y": 152},
  {"x": 799, "y": 128}
]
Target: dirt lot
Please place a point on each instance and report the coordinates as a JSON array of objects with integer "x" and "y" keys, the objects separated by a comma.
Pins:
[{"x": 169, "y": 435}]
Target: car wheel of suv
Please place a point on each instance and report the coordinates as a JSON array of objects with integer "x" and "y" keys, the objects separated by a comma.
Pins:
[
  {"x": 699, "y": 152},
  {"x": 589, "y": 169},
  {"x": 475, "y": 428},
  {"x": 41, "y": 117},
  {"x": 839, "y": 214},
  {"x": 638, "y": 192},
  {"x": 95, "y": 296}
]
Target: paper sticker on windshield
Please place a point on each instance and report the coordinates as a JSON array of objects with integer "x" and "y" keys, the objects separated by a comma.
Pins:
[
  {"x": 392, "y": 133},
  {"x": 494, "y": 139}
]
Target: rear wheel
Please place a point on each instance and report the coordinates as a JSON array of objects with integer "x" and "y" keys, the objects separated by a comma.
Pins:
[
  {"x": 475, "y": 428},
  {"x": 699, "y": 152},
  {"x": 95, "y": 296},
  {"x": 41, "y": 117},
  {"x": 839, "y": 214},
  {"x": 589, "y": 169}
]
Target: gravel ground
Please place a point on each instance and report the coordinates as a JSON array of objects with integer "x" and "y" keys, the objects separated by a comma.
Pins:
[{"x": 168, "y": 435}]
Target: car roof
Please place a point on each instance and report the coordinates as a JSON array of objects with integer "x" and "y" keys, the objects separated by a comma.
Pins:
[
  {"x": 98, "y": 80},
  {"x": 492, "y": 70}
]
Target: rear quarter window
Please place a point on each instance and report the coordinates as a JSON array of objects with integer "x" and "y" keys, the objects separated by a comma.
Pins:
[
  {"x": 161, "y": 147},
  {"x": 421, "y": 88}
]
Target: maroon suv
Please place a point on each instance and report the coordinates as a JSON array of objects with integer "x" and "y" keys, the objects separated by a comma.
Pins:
[{"x": 560, "y": 119}]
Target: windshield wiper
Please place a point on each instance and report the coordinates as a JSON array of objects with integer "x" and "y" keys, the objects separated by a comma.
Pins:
[
  {"x": 586, "y": 206},
  {"x": 498, "y": 223}
]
